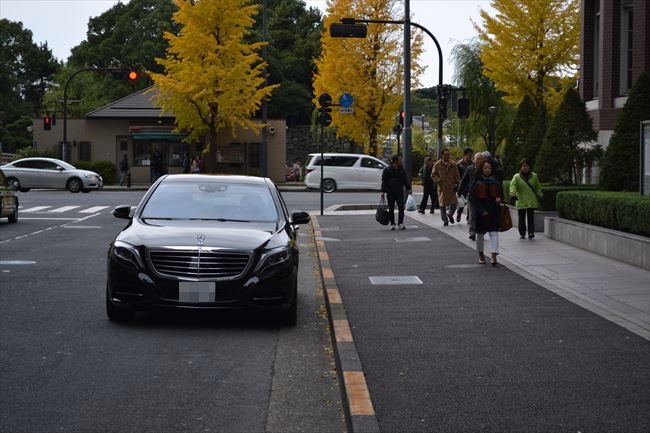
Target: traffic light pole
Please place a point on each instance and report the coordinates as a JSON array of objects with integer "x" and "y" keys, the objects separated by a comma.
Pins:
[
  {"x": 407, "y": 66},
  {"x": 65, "y": 101}
]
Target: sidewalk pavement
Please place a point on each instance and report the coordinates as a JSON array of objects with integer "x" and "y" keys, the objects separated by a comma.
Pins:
[
  {"x": 466, "y": 347},
  {"x": 614, "y": 290}
]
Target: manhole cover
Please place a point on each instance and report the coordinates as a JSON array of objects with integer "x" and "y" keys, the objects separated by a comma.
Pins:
[
  {"x": 415, "y": 239},
  {"x": 394, "y": 279}
]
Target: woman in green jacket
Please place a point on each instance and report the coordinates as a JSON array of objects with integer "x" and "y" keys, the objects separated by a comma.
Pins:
[{"x": 527, "y": 191}]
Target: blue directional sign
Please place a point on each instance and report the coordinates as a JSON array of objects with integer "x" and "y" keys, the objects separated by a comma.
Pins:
[{"x": 346, "y": 100}]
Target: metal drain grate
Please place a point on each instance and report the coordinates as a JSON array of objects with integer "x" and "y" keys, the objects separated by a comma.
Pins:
[{"x": 394, "y": 279}]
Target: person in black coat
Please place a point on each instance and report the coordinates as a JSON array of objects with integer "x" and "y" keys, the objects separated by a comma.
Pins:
[
  {"x": 486, "y": 196},
  {"x": 393, "y": 182},
  {"x": 428, "y": 187}
]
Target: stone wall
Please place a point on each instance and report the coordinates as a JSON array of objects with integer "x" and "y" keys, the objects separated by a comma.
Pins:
[{"x": 301, "y": 141}]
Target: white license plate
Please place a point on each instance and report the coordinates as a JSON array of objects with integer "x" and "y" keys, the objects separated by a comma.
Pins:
[{"x": 196, "y": 291}]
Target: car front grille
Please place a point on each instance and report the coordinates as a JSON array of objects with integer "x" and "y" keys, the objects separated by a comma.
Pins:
[{"x": 198, "y": 263}]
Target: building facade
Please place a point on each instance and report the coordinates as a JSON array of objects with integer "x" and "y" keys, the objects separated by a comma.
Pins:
[
  {"x": 614, "y": 49},
  {"x": 132, "y": 126}
]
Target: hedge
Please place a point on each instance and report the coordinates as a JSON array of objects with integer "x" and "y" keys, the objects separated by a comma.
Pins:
[
  {"x": 550, "y": 192},
  {"x": 622, "y": 211},
  {"x": 106, "y": 169}
]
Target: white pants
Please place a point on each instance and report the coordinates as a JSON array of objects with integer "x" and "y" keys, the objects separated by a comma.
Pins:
[{"x": 494, "y": 242}]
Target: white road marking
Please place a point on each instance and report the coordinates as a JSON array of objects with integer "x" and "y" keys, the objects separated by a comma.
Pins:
[
  {"x": 35, "y": 209},
  {"x": 93, "y": 209},
  {"x": 63, "y": 209},
  {"x": 82, "y": 227}
]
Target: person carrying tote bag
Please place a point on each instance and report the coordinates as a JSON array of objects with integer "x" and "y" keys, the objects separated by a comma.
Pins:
[
  {"x": 526, "y": 192},
  {"x": 486, "y": 197}
]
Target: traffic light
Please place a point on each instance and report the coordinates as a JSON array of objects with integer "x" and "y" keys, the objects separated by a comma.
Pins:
[
  {"x": 463, "y": 108},
  {"x": 401, "y": 119},
  {"x": 127, "y": 74},
  {"x": 324, "y": 118},
  {"x": 348, "y": 30},
  {"x": 47, "y": 123}
]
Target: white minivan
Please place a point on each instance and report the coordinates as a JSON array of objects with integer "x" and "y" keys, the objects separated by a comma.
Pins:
[{"x": 344, "y": 171}]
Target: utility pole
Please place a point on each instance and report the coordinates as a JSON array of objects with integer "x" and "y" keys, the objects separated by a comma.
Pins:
[{"x": 407, "y": 88}]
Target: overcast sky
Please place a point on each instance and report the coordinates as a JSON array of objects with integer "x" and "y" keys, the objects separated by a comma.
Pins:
[{"x": 63, "y": 25}]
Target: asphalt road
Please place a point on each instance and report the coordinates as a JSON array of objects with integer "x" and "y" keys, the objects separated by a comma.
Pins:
[{"x": 65, "y": 367}]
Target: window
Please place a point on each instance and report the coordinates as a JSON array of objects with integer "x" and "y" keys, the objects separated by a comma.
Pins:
[
  {"x": 625, "y": 76},
  {"x": 124, "y": 145},
  {"x": 84, "y": 151},
  {"x": 596, "y": 71},
  {"x": 371, "y": 163}
]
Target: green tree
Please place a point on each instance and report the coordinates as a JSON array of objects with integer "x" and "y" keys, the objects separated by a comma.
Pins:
[
  {"x": 213, "y": 79},
  {"x": 528, "y": 45},
  {"x": 25, "y": 73},
  {"x": 482, "y": 94},
  {"x": 560, "y": 151},
  {"x": 620, "y": 164},
  {"x": 518, "y": 144},
  {"x": 370, "y": 68},
  {"x": 128, "y": 34},
  {"x": 293, "y": 34}
]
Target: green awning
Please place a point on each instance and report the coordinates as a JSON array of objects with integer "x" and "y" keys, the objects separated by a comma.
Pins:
[{"x": 166, "y": 136}]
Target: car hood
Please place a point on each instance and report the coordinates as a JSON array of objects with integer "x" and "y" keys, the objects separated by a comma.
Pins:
[{"x": 154, "y": 233}]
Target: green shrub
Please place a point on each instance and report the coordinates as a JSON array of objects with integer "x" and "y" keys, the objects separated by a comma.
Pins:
[
  {"x": 550, "y": 192},
  {"x": 29, "y": 152},
  {"x": 623, "y": 211},
  {"x": 106, "y": 169}
]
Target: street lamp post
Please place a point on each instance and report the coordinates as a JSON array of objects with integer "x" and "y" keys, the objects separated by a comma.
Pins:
[{"x": 491, "y": 114}]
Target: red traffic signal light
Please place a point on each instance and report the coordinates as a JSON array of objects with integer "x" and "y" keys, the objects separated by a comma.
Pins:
[{"x": 47, "y": 123}]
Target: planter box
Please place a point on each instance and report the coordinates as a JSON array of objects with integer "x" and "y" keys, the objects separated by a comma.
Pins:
[
  {"x": 624, "y": 247},
  {"x": 539, "y": 218}
]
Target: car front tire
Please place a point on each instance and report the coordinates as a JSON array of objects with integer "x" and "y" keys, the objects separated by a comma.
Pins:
[
  {"x": 329, "y": 185},
  {"x": 74, "y": 185}
]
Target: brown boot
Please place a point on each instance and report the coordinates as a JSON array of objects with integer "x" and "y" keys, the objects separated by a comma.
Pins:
[
  {"x": 481, "y": 258},
  {"x": 494, "y": 259}
]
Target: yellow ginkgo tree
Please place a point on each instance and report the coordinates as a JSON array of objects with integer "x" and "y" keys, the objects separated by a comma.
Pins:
[
  {"x": 530, "y": 48},
  {"x": 371, "y": 69},
  {"x": 212, "y": 78}
]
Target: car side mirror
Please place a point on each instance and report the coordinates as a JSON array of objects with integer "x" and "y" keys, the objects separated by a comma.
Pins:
[
  {"x": 123, "y": 211},
  {"x": 300, "y": 217},
  {"x": 59, "y": 168}
]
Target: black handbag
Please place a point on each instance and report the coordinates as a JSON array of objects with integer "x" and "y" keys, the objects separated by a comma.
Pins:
[{"x": 382, "y": 215}]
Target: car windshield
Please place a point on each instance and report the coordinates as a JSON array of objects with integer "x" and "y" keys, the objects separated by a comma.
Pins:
[{"x": 219, "y": 201}]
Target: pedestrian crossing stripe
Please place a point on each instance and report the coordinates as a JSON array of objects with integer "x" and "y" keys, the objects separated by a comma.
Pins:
[
  {"x": 63, "y": 209},
  {"x": 93, "y": 209},
  {"x": 51, "y": 210}
]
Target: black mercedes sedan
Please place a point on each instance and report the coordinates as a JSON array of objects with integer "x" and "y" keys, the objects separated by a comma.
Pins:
[{"x": 206, "y": 242}]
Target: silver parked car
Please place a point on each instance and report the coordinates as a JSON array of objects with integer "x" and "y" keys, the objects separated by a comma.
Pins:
[{"x": 50, "y": 173}]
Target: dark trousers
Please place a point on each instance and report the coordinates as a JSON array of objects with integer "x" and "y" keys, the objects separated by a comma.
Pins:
[
  {"x": 398, "y": 198},
  {"x": 426, "y": 193},
  {"x": 526, "y": 214}
]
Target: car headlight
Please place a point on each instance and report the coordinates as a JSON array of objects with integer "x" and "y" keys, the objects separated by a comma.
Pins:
[
  {"x": 273, "y": 257},
  {"x": 127, "y": 253}
]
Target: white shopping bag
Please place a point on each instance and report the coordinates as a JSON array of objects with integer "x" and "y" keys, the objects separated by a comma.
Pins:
[{"x": 410, "y": 203}]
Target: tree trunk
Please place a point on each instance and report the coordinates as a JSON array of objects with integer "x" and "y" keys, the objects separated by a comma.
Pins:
[{"x": 372, "y": 147}]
